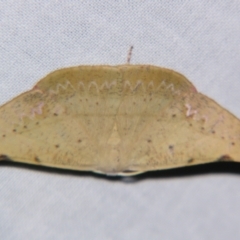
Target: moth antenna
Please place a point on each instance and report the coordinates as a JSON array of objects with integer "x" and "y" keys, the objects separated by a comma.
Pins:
[{"x": 129, "y": 54}]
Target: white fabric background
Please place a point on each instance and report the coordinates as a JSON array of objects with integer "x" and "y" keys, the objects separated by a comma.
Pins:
[{"x": 200, "y": 39}]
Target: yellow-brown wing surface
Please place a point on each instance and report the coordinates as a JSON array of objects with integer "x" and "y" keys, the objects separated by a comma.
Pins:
[{"x": 121, "y": 120}]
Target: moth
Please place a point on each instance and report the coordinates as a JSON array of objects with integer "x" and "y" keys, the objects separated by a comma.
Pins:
[{"x": 117, "y": 120}]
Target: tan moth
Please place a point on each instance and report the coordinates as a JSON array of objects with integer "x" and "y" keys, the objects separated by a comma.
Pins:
[{"x": 117, "y": 120}]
